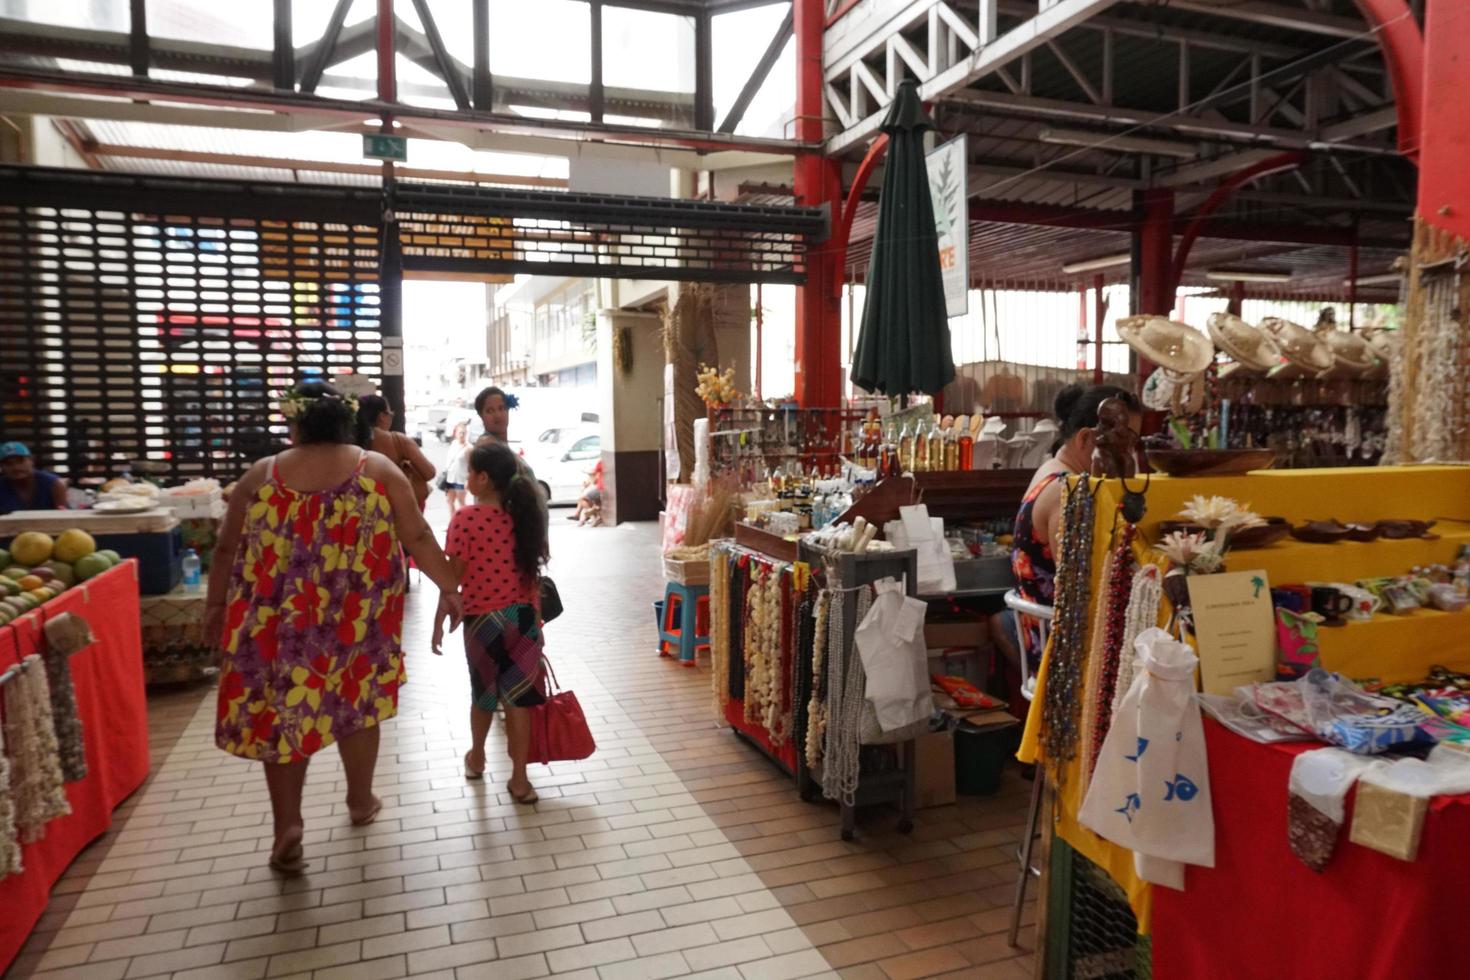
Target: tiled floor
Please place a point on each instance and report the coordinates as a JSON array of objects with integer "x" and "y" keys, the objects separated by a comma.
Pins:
[{"x": 675, "y": 850}]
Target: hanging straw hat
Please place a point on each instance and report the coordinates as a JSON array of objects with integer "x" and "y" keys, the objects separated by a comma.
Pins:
[
  {"x": 1171, "y": 345},
  {"x": 1305, "y": 352},
  {"x": 1251, "y": 348},
  {"x": 1351, "y": 354}
]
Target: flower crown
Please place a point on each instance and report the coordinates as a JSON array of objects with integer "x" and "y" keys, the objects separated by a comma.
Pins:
[{"x": 294, "y": 404}]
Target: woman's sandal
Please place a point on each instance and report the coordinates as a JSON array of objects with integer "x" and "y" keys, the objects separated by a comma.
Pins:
[
  {"x": 528, "y": 798},
  {"x": 288, "y": 861},
  {"x": 472, "y": 773},
  {"x": 367, "y": 817}
]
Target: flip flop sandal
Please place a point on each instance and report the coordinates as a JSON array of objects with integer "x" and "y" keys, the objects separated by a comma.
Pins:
[
  {"x": 529, "y": 798},
  {"x": 290, "y": 862},
  {"x": 470, "y": 773},
  {"x": 369, "y": 817}
]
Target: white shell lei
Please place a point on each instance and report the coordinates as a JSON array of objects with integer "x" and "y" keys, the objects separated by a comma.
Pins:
[
  {"x": 763, "y": 653},
  {"x": 36, "y": 775},
  {"x": 1143, "y": 613},
  {"x": 816, "y": 711},
  {"x": 9, "y": 847},
  {"x": 841, "y": 762}
]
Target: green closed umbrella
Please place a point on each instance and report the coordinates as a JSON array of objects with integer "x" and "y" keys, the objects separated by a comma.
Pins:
[{"x": 904, "y": 343}]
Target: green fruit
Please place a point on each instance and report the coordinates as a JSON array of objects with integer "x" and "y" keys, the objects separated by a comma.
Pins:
[
  {"x": 91, "y": 566},
  {"x": 15, "y": 573},
  {"x": 63, "y": 573},
  {"x": 112, "y": 557},
  {"x": 5, "y": 560},
  {"x": 8, "y": 587},
  {"x": 27, "y": 601}
]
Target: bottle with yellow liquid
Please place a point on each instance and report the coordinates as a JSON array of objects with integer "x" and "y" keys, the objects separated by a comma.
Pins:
[
  {"x": 936, "y": 447},
  {"x": 906, "y": 449},
  {"x": 921, "y": 448}
]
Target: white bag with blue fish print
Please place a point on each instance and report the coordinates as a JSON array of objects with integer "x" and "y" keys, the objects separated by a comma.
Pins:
[{"x": 1151, "y": 789}]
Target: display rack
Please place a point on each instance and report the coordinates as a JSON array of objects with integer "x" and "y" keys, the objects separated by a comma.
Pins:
[
  {"x": 880, "y": 781},
  {"x": 768, "y": 438}
]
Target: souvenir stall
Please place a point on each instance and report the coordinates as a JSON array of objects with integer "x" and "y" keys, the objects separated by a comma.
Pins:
[
  {"x": 1315, "y": 397},
  {"x": 787, "y": 673},
  {"x": 75, "y": 736},
  {"x": 1322, "y": 619}
]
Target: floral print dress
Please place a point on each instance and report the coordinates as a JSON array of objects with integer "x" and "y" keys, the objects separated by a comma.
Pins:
[{"x": 314, "y": 621}]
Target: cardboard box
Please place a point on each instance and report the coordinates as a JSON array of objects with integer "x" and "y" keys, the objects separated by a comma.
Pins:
[
  {"x": 934, "y": 769},
  {"x": 692, "y": 572},
  {"x": 956, "y": 633}
]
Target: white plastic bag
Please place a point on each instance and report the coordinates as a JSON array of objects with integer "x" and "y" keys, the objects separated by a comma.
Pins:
[
  {"x": 1151, "y": 789},
  {"x": 890, "y": 641}
]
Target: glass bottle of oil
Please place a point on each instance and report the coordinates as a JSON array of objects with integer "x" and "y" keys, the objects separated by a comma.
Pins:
[
  {"x": 921, "y": 447},
  {"x": 936, "y": 447},
  {"x": 906, "y": 449},
  {"x": 951, "y": 450}
]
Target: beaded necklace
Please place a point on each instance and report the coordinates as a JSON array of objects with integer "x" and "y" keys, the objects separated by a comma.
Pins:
[
  {"x": 1118, "y": 583},
  {"x": 1143, "y": 613},
  {"x": 816, "y": 710},
  {"x": 1060, "y": 706},
  {"x": 68, "y": 724}
]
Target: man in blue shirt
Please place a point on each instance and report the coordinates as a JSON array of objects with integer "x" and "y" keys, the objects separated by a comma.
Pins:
[{"x": 23, "y": 487}]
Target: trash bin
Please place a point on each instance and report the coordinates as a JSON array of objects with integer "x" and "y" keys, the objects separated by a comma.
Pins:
[{"x": 980, "y": 755}]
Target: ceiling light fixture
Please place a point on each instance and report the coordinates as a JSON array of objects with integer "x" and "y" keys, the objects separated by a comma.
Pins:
[
  {"x": 1132, "y": 144},
  {"x": 1101, "y": 262},
  {"x": 1381, "y": 279},
  {"x": 1249, "y": 275}
]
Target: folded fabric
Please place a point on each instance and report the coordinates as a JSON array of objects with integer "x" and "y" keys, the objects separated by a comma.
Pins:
[
  {"x": 1319, "y": 783},
  {"x": 1340, "y": 712}
]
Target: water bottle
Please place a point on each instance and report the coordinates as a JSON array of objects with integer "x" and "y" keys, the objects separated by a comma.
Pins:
[{"x": 191, "y": 570}]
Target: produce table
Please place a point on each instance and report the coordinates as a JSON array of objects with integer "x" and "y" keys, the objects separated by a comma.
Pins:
[
  {"x": 1367, "y": 916},
  {"x": 108, "y": 677}
]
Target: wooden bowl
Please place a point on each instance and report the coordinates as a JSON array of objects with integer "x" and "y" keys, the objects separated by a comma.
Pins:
[
  {"x": 1272, "y": 531},
  {"x": 1321, "y": 532},
  {"x": 1210, "y": 462}
]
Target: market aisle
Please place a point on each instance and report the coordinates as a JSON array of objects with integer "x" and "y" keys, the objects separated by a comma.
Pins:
[{"x": 675, "y": 850}]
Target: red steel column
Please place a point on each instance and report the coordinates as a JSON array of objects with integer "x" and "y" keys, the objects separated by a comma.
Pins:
[
  {"x": 1156, "y": 253},
  {"x": 1444, "y": 146},
  {"x": 818, "y": 181}
]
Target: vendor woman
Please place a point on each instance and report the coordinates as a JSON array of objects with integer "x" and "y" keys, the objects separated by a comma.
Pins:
[
  {"x": 1038, "y": 523},
  {"x": 23, "y": 486}
]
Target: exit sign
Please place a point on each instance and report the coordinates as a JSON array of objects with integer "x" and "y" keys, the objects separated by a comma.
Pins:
[{"x": 385, "y": 146}]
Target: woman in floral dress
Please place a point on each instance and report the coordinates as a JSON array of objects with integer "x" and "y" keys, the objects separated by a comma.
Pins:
[{"x": 306, "y": 595}]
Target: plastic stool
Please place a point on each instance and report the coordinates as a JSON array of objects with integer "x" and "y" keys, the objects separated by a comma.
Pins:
[{"x": 684, "y": 621}]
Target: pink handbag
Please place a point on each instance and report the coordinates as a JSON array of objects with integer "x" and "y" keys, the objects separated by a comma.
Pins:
[{"x": 559, "y": 731}]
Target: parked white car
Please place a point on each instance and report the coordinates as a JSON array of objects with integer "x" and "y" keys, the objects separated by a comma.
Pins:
[{"x": 562, "y": 456}]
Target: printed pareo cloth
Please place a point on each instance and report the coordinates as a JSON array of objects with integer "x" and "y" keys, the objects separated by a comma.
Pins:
[
  {"x": 313, "y": 635},
  {"x": 503, "y": 649}
]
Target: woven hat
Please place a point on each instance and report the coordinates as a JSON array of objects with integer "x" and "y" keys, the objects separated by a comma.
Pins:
[
  {"x": 1251, "y": 348},
  {"x": 1352, "y": 355},
  {"x": 1171, "y": 345},
  {"x": 1303, "y": 349}
]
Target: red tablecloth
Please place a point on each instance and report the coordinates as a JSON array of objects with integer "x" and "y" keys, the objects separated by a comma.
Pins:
[
  {"x": 108, "y": 676},
  {"x": 1261, "y": 913}
]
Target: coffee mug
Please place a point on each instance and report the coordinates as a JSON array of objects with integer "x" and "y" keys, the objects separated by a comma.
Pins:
[
  {"x": 1331, "y": 604},
  {"x": 1296, "y": 598},
  {"x": 1365, "y": 603}
]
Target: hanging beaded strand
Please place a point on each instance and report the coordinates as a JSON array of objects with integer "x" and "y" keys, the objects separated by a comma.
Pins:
[
  {"x": 719, "y": 603},
  {"x": 1060, "y": 706},
  {"x": 1142, "y": 614},
  {"x": 1113, "y": 607}
]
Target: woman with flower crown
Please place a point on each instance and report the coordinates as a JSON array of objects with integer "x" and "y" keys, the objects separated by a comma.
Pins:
[{"x": 306, "y": 600}]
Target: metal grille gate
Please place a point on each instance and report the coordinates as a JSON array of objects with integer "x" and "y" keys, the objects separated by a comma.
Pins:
[{"x": 157, "y": 319}]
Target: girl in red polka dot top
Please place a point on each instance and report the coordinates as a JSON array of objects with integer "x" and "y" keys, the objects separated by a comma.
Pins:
[{"x": 497, "y": 546}]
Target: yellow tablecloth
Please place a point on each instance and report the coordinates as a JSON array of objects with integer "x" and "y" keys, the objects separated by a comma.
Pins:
[{"x": 1391, "y": 648}]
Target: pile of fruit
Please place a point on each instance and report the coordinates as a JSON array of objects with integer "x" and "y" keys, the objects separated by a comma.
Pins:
[{"x": 38, "y": 567}]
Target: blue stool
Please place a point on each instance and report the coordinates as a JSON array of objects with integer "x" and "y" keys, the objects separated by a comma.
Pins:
[{"x": 682, "y": 615}]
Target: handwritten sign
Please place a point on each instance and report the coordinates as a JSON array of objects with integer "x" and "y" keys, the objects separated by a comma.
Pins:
[{"x": 1234, "y": 628}]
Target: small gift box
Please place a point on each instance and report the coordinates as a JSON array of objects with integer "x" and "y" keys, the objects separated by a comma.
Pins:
[{"x": 1388, "y": 821}]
